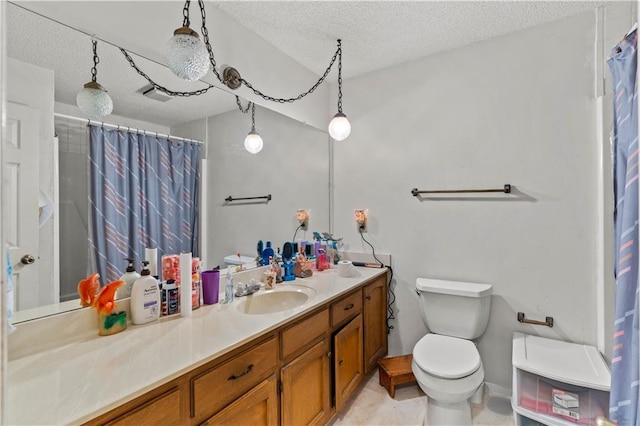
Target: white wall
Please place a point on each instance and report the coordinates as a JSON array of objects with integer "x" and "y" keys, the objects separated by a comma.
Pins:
[
  {"x": 293, "y": 167},
  {"x": 517, "y": 109}
]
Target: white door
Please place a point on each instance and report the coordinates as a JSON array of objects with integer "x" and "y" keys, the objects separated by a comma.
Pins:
[{"x": 21, "y": 189}]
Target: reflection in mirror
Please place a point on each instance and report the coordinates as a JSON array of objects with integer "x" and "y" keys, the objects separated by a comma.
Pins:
[{"x": 47, "y": 66}]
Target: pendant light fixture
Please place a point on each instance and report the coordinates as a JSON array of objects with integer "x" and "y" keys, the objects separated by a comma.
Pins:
[
  {"x": 187, "y": 55},
  {"x": 339, "y": 127},
  {"x": 191, "y": 59},
  {"x": 93, "y": 100},
  {"x": 253, "y": 142}
]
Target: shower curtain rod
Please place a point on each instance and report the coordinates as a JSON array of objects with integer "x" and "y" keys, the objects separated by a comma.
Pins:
[{"x": 117, "y": 126}]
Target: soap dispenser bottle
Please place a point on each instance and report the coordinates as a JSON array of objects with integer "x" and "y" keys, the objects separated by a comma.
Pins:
[
  {"x": 145, "y": 297},
  {"x": 129, "y": 277}
]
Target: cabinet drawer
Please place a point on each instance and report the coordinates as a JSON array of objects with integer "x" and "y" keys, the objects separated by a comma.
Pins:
[
  {"x": 214, "y": 389},
  {"x": 163, "y": 409},
  {"x": 306, "y": 331},
  {"x": 346, "y": 308}
]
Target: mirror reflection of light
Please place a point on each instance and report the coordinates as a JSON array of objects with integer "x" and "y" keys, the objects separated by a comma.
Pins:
[
  {"x": 339, "y": 127},
  {"x": 253, "y": 142},
  {"x": 93, "y": 102}
]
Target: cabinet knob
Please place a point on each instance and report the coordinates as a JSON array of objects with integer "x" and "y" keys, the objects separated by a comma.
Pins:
[
  {"x": 340, "y": 362},
  {"x": 368, "y": 297}
]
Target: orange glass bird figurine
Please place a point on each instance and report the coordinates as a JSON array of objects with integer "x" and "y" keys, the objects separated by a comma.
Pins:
[
  {"x": 108, "y": 322},
  {"x": 104, "y": 302},
  {"x": 87, "y": 289}
]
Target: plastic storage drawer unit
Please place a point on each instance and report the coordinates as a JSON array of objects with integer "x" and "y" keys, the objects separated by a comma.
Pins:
[{"x": 557, "y": 383}]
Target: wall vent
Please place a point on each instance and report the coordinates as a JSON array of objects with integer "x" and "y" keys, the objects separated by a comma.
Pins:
[{"x": 152, "y": 93}]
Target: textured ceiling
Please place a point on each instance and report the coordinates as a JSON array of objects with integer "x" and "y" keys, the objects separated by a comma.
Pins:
[
  {"x": 375, "y": 34},
  {"x": 378, "y": 34}
]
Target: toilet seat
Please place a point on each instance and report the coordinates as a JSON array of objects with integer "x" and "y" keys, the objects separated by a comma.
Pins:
[{"x": 446, "y": 357}]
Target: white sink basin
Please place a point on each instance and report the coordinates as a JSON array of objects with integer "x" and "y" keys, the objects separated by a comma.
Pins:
[{"x": 277, "y": 300}]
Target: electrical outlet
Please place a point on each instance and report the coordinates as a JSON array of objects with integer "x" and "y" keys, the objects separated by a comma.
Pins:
[
  {"x": 303, "y": 218},
  {"x": 360, "y": 216}
]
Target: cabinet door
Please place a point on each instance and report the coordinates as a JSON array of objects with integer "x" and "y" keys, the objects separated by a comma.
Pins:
[
  {"x": 348, "y": 361},
  {"x": 306, "y": 387},
  {"x": 375, "y": 322},
  {"x": 257, "y": 407}
]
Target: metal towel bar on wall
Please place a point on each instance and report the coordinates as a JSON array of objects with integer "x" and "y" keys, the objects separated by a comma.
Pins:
[
  {"x": 265, "y": 197},
  {"x": 548, "y": 321},
  {"x": 415, "y": 192}
]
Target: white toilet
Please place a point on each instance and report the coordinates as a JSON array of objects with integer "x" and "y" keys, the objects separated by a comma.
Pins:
[{"x": 446, "y": 362}]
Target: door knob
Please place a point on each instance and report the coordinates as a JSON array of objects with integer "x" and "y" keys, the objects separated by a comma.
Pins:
[{"x": 27, "y": 259}]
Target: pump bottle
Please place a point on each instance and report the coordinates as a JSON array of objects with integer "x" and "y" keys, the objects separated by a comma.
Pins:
[
  {"x": 145, "y": 297},
  {"x": 129, "y": 277}
]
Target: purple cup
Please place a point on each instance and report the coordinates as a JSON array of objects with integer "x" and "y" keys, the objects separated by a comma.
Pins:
[{"x": 210, "y": 286}]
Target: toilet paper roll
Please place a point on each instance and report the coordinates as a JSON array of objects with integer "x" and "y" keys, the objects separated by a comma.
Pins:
[
  {"x": 151, "y": 256},
  {"x": 346, "y": 269}
]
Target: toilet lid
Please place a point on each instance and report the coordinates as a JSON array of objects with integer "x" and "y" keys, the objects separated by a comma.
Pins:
[{"x": 446, "y": 357}]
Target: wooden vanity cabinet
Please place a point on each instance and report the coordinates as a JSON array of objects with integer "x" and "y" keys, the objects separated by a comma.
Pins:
[
  {"x": 299, "y": 374},
  {"x": 374, "y": 306}
]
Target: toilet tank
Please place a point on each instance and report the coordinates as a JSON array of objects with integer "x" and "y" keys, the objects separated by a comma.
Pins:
[{"x": 455, "y": 308}]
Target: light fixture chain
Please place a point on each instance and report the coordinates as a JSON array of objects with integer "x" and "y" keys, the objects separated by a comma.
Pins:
[
  {"x": 253, "y": 117},
  {"x": 242, "y": 110},
  {"x": 300, "y": 96},
  {"x": 339, "y": 76},
  {"x": 205, "y": 39},
  {"x": 185, "y": 13},
  {"x": 96, "y": 61},
  {"x": 157, "y": 86}
]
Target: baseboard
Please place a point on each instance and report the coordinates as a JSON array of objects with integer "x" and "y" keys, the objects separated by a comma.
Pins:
[{"x": 498, "y": 390}]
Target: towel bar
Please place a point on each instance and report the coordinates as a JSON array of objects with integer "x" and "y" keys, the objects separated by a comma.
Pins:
[
  {"x": 548, "y": 321},
  {"x": 230, "y": 198},
  {"x": 415, "y": 192}
]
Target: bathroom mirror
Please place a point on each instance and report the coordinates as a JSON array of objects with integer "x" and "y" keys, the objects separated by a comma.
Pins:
[{"x": 230, "y": 170}]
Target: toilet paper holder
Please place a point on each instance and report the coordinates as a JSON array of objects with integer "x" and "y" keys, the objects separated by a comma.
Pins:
[{"x": 548, "y": 320}]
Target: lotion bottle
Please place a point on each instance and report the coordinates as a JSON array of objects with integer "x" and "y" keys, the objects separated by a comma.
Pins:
[
  {"x": 129, "y": 277},
  {"x": 145, "y": 297}
]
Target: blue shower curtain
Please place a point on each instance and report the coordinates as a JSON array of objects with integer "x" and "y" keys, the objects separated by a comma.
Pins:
[
  {"x": 143, "y": 193},
  {"x": 623, "y": 404}
]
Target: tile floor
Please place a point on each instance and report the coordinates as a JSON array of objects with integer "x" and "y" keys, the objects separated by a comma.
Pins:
[{"x": 373, "y": 406}]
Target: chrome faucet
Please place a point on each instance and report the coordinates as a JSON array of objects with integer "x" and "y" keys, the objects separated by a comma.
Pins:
[{"x": 246, "y": 290}]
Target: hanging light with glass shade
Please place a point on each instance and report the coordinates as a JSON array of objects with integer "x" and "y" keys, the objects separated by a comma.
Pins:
[
  {"x": 191, "y": 59},
  {"x": 187, "y": 55},
  {"x": 253, "y": 142},
  {"x": 93, "y": 100},
  {"x": 339, "y": 127}
]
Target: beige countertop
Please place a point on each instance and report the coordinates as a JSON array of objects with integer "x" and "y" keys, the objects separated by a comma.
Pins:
[{"x": 76, "y": 381}]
